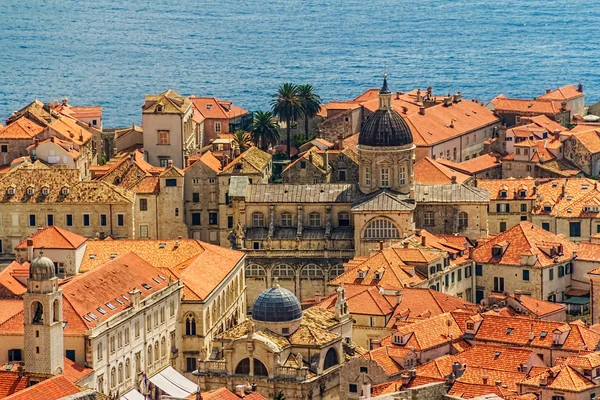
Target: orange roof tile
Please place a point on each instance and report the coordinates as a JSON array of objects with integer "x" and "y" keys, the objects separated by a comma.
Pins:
[
  {"x": 226, "y": 394},
  {"x": 384, "y": 356},
  {"x": 213, "y": 108},
  {"x": 537, "y": 307},
  {"x": 525, "y": 238},
  {"x": 474, "y": 165},
  {"x": 22, "y": 128},
  {"x": 11, "y": 382},
  {"x": 470, "y": 390},
  {"x": 398, "y": 385},
  {"x": 53, "y": 388},
  {"x": 8, "y": 279},
  {"x": 431, "y": 172},
  {"x": 564, "y": 93},
  {"x": 53, "y": 237},
  {"x": 546, "y": 107},
  {"x": 148, "y": 185},
  {"x": 209, "y": 160},
  {"x": 560, "y": 377},
  {"x": 75, "y": 372},
  {"x": 590, "y": 139}
]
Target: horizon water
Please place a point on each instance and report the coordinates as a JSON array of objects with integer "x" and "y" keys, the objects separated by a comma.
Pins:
[{"x": 112, "y": 53}]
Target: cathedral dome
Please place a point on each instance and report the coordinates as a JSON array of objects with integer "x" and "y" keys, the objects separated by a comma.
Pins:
[
  {"x": 41, "y": 269},
  {"x": 276, "y": 305},
  {"x": 385, "y": 127}
]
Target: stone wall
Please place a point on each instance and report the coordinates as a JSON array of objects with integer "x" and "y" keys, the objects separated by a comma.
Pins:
[
  {"x": 446, "y": 218},
  {"x": 345, "y": 124},
  {"x": 431, "y": 391},
  {"x": 308, "y": 175},
  {"x": 577, "y": 153}
]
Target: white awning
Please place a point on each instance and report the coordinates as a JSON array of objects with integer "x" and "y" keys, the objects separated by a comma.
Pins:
[
  {"x": 173, "y": 383},
  {"x": 133, "y": 395}
]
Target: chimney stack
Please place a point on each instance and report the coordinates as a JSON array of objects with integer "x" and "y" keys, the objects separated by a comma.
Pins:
[
  {"x": 580, "y": 87},
  {"x": 484, "y": 378},
  {"x": 380, "y": 245},
  {"x": 340, "y": 142},
  {"x": 419, "y": 95},
  {"x": 398, "y": 297},
  {"x": 422, "y": 110},
  {"x": 326, "y": 159},
  {"x": 563, "y": 106},
  {"x": 424, "y": 240},
  {"x": 453, "y": 179},
  {"x": 29, "y": 250},
  {"x": 548, "y": 90},
  {"x": 406, "y": 245},
  {"x": 310, "y": 157},
  {"x": 170, "y": 163},
  {"x": 448, "y": 101},
  {"x": 135, "y": 297},
  {"x": 397, "y": 95}
]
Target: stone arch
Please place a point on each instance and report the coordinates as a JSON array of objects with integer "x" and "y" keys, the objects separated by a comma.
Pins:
[
  {"x": 283, "y": 271},
  {"x": 163, "y": 347},
  {"x": 331, "y": 358},
  {"x": 255, "y": 271},
  {"x": 311, "y": 271},
  {"x": 336, "y": 271},
  {"x": 37, "y": 313},
  {"x": 380, "y": 228}
]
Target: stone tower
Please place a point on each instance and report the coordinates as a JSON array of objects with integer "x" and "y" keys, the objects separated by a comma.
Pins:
[
  {"x": 43, "y": 314},
  {"x": 386, "y": 150}
]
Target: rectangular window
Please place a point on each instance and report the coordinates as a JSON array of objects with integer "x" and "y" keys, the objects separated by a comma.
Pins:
[
  {"x": 526, "y": 275},
  {"x": 353, "y": 388},
  {"x": 459, "y": 275},
  {"x": 120, "y": 220},
  {"x": 575, "y": 229},
  {"x": 230, "y": 221},
  {"x": 102, "y": 219},
  {"x": 217, "y": 127},
  {"x": 546, "y": 226},
  {"x": 70, "y": 354},
  {"x": 402, "y": 176},
  {"x": 498, "y": 284},
  {"x": 69, "y": 219},
  {"x": 286, "y": 219},
  {"x": 364, "y": 370},
  {"x": 384, "y": 177},
  {"x": 196, "y": 197},
  {"x": 163, "y": 137},
  {"x": 15, "y": 355},
  {"x": 213, "y": 217},
  {"x": 468, "y": 271},
  {"x": 171, "y": 182},
  {"x": 143, "y": 204},
  {"x": 452, "y": 276},
  {"x": 523, "y": 217},
  {"x": 447, "y": 280},
  {"x": 196, "y": 218},
  {"x": 163, "y": 162},
  {"x": 32, "y": 220},
  {"x": 524, "y": 207},
  {"x": 561, "y": 271},
  {"x": 551, "y": 274},
  {"x": 4, "y": 148},
  {"x": 367, "y": 176},
  {"x": 502, "y": 226},
  {"x": 478, "y": 270},
  {"x": 86, "y": 219},
  {"x": 342, "y": 175},
  {"x": 211, "y": 181},
  {"x": 343, "y": 219},
  {"x": 144, "y": 231},
  {"x": 50, "y": 220},
  {"x": 190, "y": 364}
]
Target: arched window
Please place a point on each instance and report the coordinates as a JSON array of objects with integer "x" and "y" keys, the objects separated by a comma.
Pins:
[
  {"x": 149, "y": 361},
  {"x": 255, "y": 271},
  {"x": 243, "y": 368},
  {"x": 336, "y": 271},
  {"x": 56, "y": 311},
  {"x": 258, "y": 220},
  {"x": 113, "y": 378},
  {"x": 259, "y": 368},
  {"x": 190, "y": 326},
  {"x": 120, "y": 372},
  {"x": 331, "y": 358},
  {"x": 127, "y": 369},
  {"x": 37, "y": 313},
  {"x": 286, "y": 219},
  {"x": 314, "y": 219},
  {"x": 343, "y": 219},
  {"x": 381, "y": 229},
  {"x": 283, "y": 271},
  {"x": 101, "y": 384},
  {"x": 463, "y": 220},
  {"x": 312, "y": 271},
  {"x": 156, "y": 353},
  {"x": 428, "y": 218},
  {"x": 99, "y": 349},
  {"x": 163, "y": 347}
]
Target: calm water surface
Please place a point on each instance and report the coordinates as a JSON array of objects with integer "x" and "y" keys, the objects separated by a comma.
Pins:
[{"x": 113, "y": 52}]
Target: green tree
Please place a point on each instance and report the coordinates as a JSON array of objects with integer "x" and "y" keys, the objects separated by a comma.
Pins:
[
  {"x": 279, "y": 395},
  {"x": 287, "y": 106},
  {"x": 242, "y": 140},
  {"x": 311, "y": 104},
  {"x": 264, "y": 129}
]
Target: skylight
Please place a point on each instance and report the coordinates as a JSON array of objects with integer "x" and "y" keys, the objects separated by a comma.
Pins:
[
  {"x": 110, "y": 306},
  {"x": 543, "y": 334},
  {"x": 162, "y": 245},
  {"x": 93, "y": 316},
  {"x": 92, "y": 256},
  {"x": 509, "y": 330},
  {"x": 156, "y": 280},
  {"x": 125, "y": 297},
  {"x": 146, "y": 286},
  {"x": 101, "y": 310},
  {"x": 119, "y": 301},
  {"x": 162, "y": 277},
  {"x": 88, "y": 319}
]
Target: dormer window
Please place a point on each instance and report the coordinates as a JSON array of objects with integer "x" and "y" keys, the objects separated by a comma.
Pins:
[
  {"x": 547, "y": 208},
  {"x": 361, "y": 274},
  {"x": 11, "y": 191},
  {"x": 497, "y": 251},
  {"x": 503, "y": 193},
  {"x": 30, "y": 191},
  {"x": 45, "y": 191},
  {"x": 470, "y": 326},
  {"x": 209, "y": 106},
  {"x": 523, "y": 193},
  {"x": 160, "y": 108},
  {"x": 302, "y": 164},
  {"x": 377, "y": 276},
  {"x": 64, "y": 191}
]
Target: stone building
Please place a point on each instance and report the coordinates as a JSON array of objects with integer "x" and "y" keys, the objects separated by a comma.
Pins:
[
  {"x": 574, "y": 96},
  {"x": 583, "y": 149},
  {"x": 283, "y": 349},
  {"x": 215, "y": 117},
  {"x": 510, "y": 111},
  {"x": 169, "y": 129}
]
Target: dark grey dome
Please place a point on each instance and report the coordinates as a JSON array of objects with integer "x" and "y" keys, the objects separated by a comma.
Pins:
[
  {"x": 41, "y": 269},
  {"x": 385, "y": 128},
  {"x": 276, "y": 305}
]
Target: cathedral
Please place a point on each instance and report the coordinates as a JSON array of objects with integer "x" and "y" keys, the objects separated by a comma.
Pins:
[{"x": 302, "y": 234}]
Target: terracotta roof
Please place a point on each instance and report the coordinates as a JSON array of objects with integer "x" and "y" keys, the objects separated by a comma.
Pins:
[
  {"x": 385, "y": 356},
  {"x": 312, "y": 336},
  {"x": 537, "y": 307},
  {"x": 429, "y": 171},
  {"x": 75, "y": 372},
  {"x": 209, "y": 160},
  {"x": 226, "y": 394},
  {"x": 467, "y": 390},
  {"x": 10, "y": 383},
  {"x": 213, "y": 108},
  {"x": 317, "y": 193},
  {"x": 148, "y": 185},
  {"x": 72, "y": 130},
  {"x": 589, "y": 139},
  {"x": 526, "y": 239},
  {"x": 171, "y": 101},
  {"x": 544, "y": 122},
  {"x": 474, "y": 375},
  {"x": 560, "y": 377},
  {"x": 63, "y": 144},
  {"x": 546, "y": 107},
  {"x": 128, "y": 171},
  {"x": 564, "y": 93},
  {"x": 53, "y": 237},
  {"x": 398, "y": 385},
  {"x": 474, "y": 165},
  {"x": 22, "y": 128},
  {"x": 9, "y": 280},
  {"x": 253, "y": 161},
  {"x": 587, "y": 251},
  {"x": 53, "y": 388},
  {"x": 382, "y": 200},
  {"x": 312, "y": 157}
]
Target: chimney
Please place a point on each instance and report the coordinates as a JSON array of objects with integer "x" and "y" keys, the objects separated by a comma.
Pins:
[
  {"x": 452, "y": 123},
  {"x": 177, "y": 244},
  {"x": 548, "y": 90},
  {"x": 484, "y": 378},
  {"x": 64, "y": 101},
  {"x": 517, "y": 295},
  {"x": 135, "y": 297},
  {"x": 422, "y": 110},
  {"x": 380, "y": 245},
  {"x": 453, "y": 179},
  {"x": 580, "y": 87},
  {"x": 398, "y": 297},
  {"x": 310, "y": 157},
  {"x": 397, "y": 95},
  {"x": 405, "y": 379},
  {"x": 169, "y": 163},
  {"x": 29, "y": 250},
  {"x": 430, "y": 92},
  {"x": 406, "y": 245},
  {"x": 563, "y": 106},
  {"x": 318, "y": 296},
  {"x": 498, "y": 383},
  {"x": 471, "y": 252},
  {"x": 36, "y": 141},
  {"x": 326, "y": 159},
  {"x": 424, "y": 240},
  {"x": 340, "y": 142},
  {"x": 375, "y": 343},
  {"x": 457, "y": 369},
  {"x": 448, "y": 101},
  {"x": 557, "y": 134},
  {"x": 419, "y": 99}
]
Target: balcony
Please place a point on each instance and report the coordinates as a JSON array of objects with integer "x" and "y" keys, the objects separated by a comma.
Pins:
[{"x": 305, "y": 253}]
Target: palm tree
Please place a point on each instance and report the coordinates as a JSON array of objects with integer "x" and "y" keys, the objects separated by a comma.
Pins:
[
  {"x": 279, "y": 395},
  {"x": 242, "y": 140},
  {"x": 287, "y": 106},
  {"x": 264, "y": 129},
  {"x": 311, "y": 104}
]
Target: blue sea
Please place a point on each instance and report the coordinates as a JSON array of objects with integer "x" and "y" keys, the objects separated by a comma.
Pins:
[{"x": 113, "y": 52}]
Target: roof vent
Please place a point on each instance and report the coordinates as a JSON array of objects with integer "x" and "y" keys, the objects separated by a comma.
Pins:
[
  {"x": 162, "y": 245},
  {"x": 113, "y": 255},
  {"x": 146, "y": 286}
]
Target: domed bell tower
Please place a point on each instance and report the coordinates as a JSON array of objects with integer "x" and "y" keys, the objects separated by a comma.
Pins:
[
  {"x": 386, "y": 150},
  {"x": 43, "y": 313}
]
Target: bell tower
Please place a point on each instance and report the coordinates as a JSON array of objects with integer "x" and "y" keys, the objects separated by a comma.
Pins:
[{"x": 43, "y": 319}]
